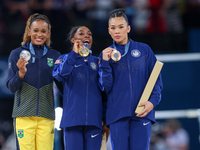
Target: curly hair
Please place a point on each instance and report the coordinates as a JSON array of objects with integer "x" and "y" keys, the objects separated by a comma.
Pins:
[{"x": 31, "y": 19}]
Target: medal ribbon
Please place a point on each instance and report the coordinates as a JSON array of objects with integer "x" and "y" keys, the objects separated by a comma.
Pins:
[
  {"x": 126, "y": 47},
  {"x": 86, "y": 45},
  {"x": 33, "y": 51}
]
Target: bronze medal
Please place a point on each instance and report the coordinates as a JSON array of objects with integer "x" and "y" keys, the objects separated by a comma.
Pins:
[{"x": 115, "y": 55}]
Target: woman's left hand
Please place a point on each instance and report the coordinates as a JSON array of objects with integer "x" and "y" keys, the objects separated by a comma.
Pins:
[{"x": 148, "y": 106}]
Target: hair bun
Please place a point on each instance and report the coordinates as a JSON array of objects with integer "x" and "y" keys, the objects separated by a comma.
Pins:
[{"x": 118, "y": 12}]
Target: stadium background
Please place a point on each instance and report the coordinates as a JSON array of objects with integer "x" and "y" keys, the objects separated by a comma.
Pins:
[{"x": 181, "y": 79}]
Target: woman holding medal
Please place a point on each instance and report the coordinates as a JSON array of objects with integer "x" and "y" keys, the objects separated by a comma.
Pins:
[
  {"x": 30, "y": 78},
  {"x": 82, "y": 99},
  {"x": 123, "y": 75}
]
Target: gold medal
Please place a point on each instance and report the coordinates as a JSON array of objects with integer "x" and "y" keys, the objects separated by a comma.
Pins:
[
  {"x": 84, "y": 51},
  {"x": 115, "y": 55}
]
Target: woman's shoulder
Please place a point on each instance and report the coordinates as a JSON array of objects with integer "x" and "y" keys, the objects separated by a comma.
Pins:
[
  {"x": 140, "y": 44},
  {"x": 17, "y": 50},
  {"x": 142, "y": 47},
  {"x": 54, "y": 52}
]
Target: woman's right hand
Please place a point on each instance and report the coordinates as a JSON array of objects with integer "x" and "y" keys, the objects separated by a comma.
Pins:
[
  {"x": 77, "y": 44},
  {"x": 21, "y": 64},
  {"x": 106, "y": 53},
  {"x": 106, "y": 131}
]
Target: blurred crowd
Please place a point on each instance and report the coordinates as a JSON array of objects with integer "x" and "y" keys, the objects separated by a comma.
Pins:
[
  {"x": 163, "y": 24},
  {"x": 169, "y": 135}
]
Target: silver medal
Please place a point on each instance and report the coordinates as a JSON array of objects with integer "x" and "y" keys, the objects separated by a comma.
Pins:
[{"x": 26, "y": 54}]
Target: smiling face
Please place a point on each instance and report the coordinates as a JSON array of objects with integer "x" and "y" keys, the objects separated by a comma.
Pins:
[
  {"x": 119, "y": 29},
  {"x": 83, "y": 34},
  {"x": 39, "y": 32}
]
